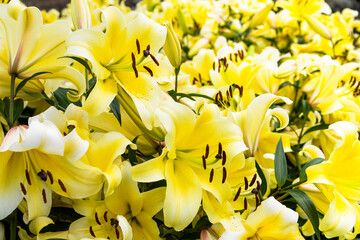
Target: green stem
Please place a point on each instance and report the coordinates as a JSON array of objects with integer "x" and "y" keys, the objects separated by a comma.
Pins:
[
  {"x": 282, "y": 197},
  {"x": 12, "y": 95},
  {"x": 13, "y": 225},
  {"x": 333, "y": 48},
  {"x": 87, "y": 80},
  {"x": 177, "y": 70}
]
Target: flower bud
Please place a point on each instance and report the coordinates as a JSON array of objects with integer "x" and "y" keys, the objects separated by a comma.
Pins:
[
  {"x": 260, "y": 16},
  {"x": 318, "y": 27},
  {"x": 80, "y": 14},
  {"x": 172, "y": 46}
]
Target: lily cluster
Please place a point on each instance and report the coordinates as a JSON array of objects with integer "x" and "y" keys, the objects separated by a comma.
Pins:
[{"x": 179, "y": 119}]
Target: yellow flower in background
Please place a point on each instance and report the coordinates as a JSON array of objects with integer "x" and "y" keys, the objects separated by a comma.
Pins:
[
  {"x": 37, "y": 159},
  {"x": 29, "y": 47},
  {"x": 190, "y": 164}
]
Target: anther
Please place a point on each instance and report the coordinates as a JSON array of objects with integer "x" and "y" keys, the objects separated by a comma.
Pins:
[
  {"x": 230, "y": 91},
  {"x": 200, "y": 77},
  {"x": 133, "y": 58},
  {"x": 241, "y": 91},
  {"x": 227, "y": 94},
  {"x": 135, "y": 70},
  {"x": 23, "y": 189},
  {"x": 62, "y": 185},
  {"x": 224, "y": 175},
  {"x": 223, "y": 158},
  {"x": 50, "y": 177},
  {"x": 220, "y": 148},
  {"x": 113, "y": 222},
  {"x": 70, "y": 127},
  {"x": 237, "y": 194},
  {"x": 154, "y": 59},
  {"x": 207, "y": 149},
  {"x": 91, "y": 231},
  {"x": 149, "y": 70},
  {"x": 138, "y": 45},
  {"x": 42, "y": 174},
  {"x": 204, "y": 162},
  {"x": 220, "y": 96},
  {"x": 258, "y": 185},
  {"x": 211, "y": 175},
  {"x": 246, "y": 183},
  {"x": 253, "y": 180},
  {"x": 230, "y": 57},
  {"x": 245, "y": 203},
  {"x": 44, "y": 196},
  {"x": 105, "y": 216},
  {"x": 117, "y": 233},
  {"x": 27, "y": 176},
  {"x": 97, "y": 218},
  {"x": 236, "y": 56},
  {"x": 214, "y": 66}
]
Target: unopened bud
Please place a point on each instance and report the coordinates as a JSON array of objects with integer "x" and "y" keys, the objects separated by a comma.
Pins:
[
  {"x": 172, "y": 46},
  {"x": 260, "y": 16},
  {"x": 80, "y": 14},
  {"x": 318, "y": 27}
]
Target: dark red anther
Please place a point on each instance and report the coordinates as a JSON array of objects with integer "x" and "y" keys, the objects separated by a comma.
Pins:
[
  {"x": 211, "y": 175},
  {"x": 138, "y": 45},
  {"x": 246, "y": 183},
  {"x": 27, "y": 177},
  {"x": 237, "y": 194},
  {"x": 253, "y": 180},
  {"x": 44, "y": 196},
  {"x": 224, "y": 175},
  {"x": 204, "y": 162},
  {"x": 149, "y": 70}
]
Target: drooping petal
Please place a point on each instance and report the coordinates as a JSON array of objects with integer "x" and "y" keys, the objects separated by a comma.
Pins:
[{"x": 183, "y": 195}]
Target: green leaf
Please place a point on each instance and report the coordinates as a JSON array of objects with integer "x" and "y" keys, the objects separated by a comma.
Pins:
[
  {"x": 23, "y": 82},
  {"x": 280, "y": 164},
  {"x": 2, "y": 108},
  {"x": 61, "y": 100},
  {"x": 317, "y": 127},
  {"x": 314, "y": 161},
  {"x": 305, "y": 108},
  {"x": 201, "y": 95},
  {"x": 263, "y": 186},
  {"x": 309, "y": 208},
  {"x": 284, "y": 84},
  {"x": 115, "y": 108},
  {"x": 173, "y": 94},
  {"x": 18, "y": 108},
  {"x": 81, "y": 61}
]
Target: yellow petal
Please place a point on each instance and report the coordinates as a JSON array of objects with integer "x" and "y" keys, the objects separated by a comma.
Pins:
[{"x": 183, "y": 195}]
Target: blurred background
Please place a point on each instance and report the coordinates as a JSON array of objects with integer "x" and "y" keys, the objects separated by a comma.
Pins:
[{"x": 336, "y": 5}]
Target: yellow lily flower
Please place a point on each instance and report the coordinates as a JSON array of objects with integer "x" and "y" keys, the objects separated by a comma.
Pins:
[
  {"x": 271, "y": 220},
  {"x": 29, "y": 47},
  {"x": 337, "y": 178},
  {"x": 126, "y": 214},
  {"x": 324, "y": 83},
  {"x": 188, "y": 163},
  {"x": 131, "y": 64},
  {"x": 36, "y": 159}
]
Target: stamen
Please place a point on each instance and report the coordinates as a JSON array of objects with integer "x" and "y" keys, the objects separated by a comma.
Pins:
[
  {"x": 200, "y": 77},
  {"x": 241, "y": 91},
  {"x": 257, "y": 198},
  {"x": 27, "y": 176},
  {"x": 220, "y": 96},
  {"x": 148, "y": 70},
  {"x": 117, "y": 233},
  {"x": 138, "y": 45},
  {"x": 204, "y": 162},
  {"x": 113, "y": 222},
  {"x": 105, "y": 216},
  {"x": 97, "y": 218},
  {"x": 62, "y": 185},
  {"x": 91, "y": 231},
  {"x": 207, "y": 149},
  {"x": 245, "y": 203},
  {"x": 135, "y": 71},
  {"x": 211, "y": 175},
  {"x": 23, "y": 189},
  {"x": 44, "y": 196},
  {"x": 133, "y": 58},
  {"x": 154, "y": 59},
  {"x": 230, "y": 91},
  {"x": 50, "y": 177},
  {"x": 258, "y": 185},
  {"x": 224, "y": 175},
  {"x": 246, "y": 183},
  {"x": 253, "y": 180},
  {"x": 236, "y": 56},
  {"x": 224, "y": 158},
  {"x": 214, "y": 66},
  {"x": 70, "y": 127},
  {"x": 237, "y": 194},
  {"x": 42, "y": 174},
  {"x": 230, "y": 57}
]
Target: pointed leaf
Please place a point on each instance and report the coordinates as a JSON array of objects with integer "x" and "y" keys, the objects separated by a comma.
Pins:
[
  {"x": 115, "y": 108},
  {"x": 81, "y": 61},
  {"x": 263, "y": 186},
  {"x": 308, "y": 164},
  {"x": 317, "y": 127},
  {"x": 309, "y": 208},
  {"x": 23, "y": 82},
  {"x": 280, "y": 164}
]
